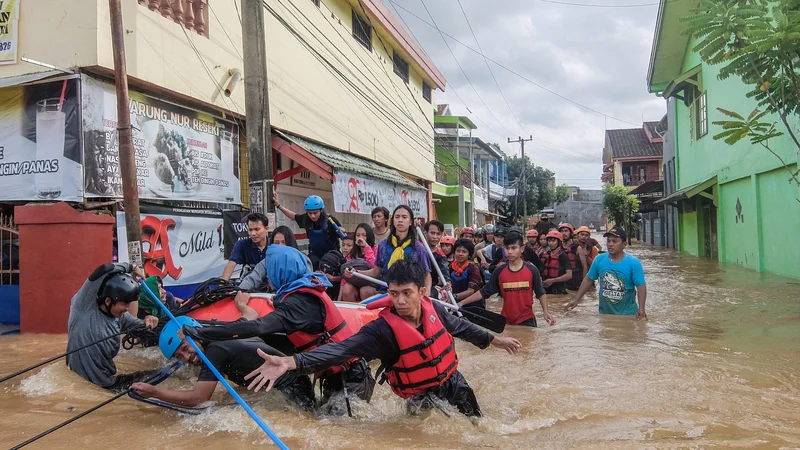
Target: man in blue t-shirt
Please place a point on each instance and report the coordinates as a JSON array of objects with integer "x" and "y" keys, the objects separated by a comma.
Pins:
[
  {"x": 621, "y": 279},
  {"x": 249, "y": 252}
]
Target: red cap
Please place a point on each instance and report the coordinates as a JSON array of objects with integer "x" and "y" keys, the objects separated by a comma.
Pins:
[
  {"x": 533, "y": 233},
  {"x": 555, "y": 234},
  {"x": 448, "y": 240},
  {"x": 567, "y": 225}
]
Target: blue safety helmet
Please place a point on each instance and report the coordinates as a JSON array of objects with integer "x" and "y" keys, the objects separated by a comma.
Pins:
[
  {"x": 169, "y": 341},
  {"x": 313, "y": 203}
]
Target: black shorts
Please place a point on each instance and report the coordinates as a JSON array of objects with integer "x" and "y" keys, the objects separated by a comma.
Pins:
[{"x": 529, "y": 323}]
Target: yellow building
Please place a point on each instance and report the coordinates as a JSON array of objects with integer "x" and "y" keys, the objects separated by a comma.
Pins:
[{"x": 347, "y": 88}]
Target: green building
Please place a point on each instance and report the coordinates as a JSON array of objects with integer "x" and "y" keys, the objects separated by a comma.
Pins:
[{"x": 731, "y": 203}]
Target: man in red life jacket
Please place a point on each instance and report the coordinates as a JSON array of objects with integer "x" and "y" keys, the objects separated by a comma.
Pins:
[
  {"x": 518, "y": 282},
  {"x": 576, "y": 254},
  {"x": 556, "y": 269},
  {"x": 308, "y": 317},
  {"x": 412, "y": 337}
]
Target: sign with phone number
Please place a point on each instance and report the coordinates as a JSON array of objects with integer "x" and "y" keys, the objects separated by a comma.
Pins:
[{"x": 9, "y": 25}]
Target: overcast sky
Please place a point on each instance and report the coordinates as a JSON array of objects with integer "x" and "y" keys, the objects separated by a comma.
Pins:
[{"x": 597, "y": 57}]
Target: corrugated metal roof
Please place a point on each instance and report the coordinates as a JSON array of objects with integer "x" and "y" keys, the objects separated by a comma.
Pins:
[{"x": 345, "y": 161}]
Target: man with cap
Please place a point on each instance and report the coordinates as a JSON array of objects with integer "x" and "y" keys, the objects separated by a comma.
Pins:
[
  {"x": 544, "y": 225},
  {"x": 621, "y": 284},
  {"x": 100, "y": 309},
  {"x": 234, "y": 359},
  {"x": 583, "y": 236},
  {"x": 533, "y": 239}
]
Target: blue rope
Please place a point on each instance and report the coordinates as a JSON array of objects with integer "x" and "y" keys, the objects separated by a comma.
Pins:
[{"x": 219, "y": 376}]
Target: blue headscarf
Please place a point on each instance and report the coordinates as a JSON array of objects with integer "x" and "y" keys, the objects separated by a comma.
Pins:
[{"x": 288, "y": 272}]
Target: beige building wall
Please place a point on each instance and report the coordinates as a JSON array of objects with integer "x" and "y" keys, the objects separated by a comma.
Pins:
[{"x": 367, "y": 110}]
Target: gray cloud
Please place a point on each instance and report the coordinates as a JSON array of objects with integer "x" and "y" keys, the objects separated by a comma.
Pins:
[{"x": 595, "y": 56}]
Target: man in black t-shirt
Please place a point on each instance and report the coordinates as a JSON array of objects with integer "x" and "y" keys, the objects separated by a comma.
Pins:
[{"x": 234, "y": 359}]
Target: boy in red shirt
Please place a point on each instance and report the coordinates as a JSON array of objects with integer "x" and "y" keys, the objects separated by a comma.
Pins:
[{"x": 518, "y": 282}]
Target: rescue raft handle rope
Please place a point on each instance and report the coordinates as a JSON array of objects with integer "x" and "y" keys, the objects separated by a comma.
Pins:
[
  {"x": 28, "y": 369},
  {"x": 69, "y": 421},
  {"x": 219, "y": 376}
]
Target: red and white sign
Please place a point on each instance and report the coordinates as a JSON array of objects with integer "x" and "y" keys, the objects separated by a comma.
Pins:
[{"x": 359, "y": 194}]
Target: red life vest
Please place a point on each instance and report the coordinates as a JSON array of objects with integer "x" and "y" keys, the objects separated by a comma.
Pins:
[
  {"x": 551, "y": 266},
  {"x": 336, "y": 330},
  {"x": 574, "y": 260},
  {"x": 426, "y": 360}
]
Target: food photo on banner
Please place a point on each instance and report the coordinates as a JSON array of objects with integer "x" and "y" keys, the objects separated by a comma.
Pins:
[
  {"x": 181, "y": 154},
  {"x": 182, "y": 246},
  {"x": 359, "y": 194},
  {"x": 40, "y": 153}
]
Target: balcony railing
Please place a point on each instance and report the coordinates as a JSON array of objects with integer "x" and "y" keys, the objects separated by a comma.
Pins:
[
  {"x": 453, "y": 175},
  {"x": 192, "y": 14}
]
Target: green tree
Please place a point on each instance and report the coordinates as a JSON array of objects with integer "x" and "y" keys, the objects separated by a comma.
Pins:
[
  {"x": 561, "y": 194},
  {"x": 535, "y": 192},
  {"x": 759, "y": 42},
  {"x": 620, "y": 206}
]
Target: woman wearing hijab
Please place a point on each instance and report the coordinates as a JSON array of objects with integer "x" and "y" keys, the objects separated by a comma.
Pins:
[{"x": 401, "y": 244}]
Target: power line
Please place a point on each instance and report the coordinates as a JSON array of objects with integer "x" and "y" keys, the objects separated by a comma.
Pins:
[
  {"x": 224, "y": 31},
  {"x": 451, "y": 88},
  {"x": 490, "y": 69},
  {"x": 345, "y": 80},
  {"x": 462, "y": 68},
  {"x": 433, "y": 25}
]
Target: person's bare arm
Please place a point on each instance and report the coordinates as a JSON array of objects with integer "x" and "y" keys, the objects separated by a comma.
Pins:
[
  {"x": 201, "y": 393},
  {"x": 228, "y": 270},
  {"x": 584, "y": 261},
  {"x": 428, "y": 281},
  {"x": 133, "y": 308},
  {"x": 463, "y": 295},
  {"x": 586, "y": 284},
  {"x": 288, "y": 212},
  {"x": 641, "y": 296},
  {"x": 241, "y": 300},
  {"x": 546, "y": 310}
]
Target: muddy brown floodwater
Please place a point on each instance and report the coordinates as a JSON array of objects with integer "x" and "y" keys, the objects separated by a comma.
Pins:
[{"x": 717, "y": 365}]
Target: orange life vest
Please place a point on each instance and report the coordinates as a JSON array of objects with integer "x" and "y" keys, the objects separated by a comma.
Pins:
[
  {"x": 427, "y": 359},
  {"x": 336, "y": 330},
  {"x": 551, "y": 266}
]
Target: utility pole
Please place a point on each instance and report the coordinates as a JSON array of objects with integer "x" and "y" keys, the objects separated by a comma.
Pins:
[
  {"x": 522, "y": 178},
  {"x": 256, "y": 105},
  {"x": 127, "y": 162}
]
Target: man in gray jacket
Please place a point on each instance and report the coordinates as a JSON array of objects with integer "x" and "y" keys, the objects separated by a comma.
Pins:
[{"x": 99, "y": 309}]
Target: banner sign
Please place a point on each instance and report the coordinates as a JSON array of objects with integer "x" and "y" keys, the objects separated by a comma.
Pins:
[
  {"x": 181, "y": 154},
  {"x": 9, "y": 27},
  {"x": 234, "y": 229},
  {"x": 182, "y": 246},
  {"x": 40, "y": 152},
  {"x": 359, "y": 194}
]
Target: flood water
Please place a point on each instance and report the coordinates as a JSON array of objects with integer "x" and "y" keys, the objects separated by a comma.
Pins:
[{"x": 716, "y": 365}]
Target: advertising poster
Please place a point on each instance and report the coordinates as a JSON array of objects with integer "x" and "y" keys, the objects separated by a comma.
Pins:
[
  {"x": 182, "y": 246},
  {"x": 359, "y": 194},
  {"x": 40, "y": 153},
  {"x": 234, "y": 229},
  {"x": 181, "y": 154},
  {"x": 9, "y": 28}
]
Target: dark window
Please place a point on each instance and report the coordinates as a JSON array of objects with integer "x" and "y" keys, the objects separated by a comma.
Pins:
[
  {"x": 362, "y": 31},
  {"x": 400, "y": 67},
  {"x": 316, "y": 2},
  {"x": 426, "y": 91}
]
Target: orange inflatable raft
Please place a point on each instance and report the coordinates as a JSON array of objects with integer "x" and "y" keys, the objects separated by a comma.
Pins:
[{"x": 225, "y": 310}]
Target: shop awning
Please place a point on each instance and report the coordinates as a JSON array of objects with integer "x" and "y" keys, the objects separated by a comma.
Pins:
[
  {"x": 30, "y": 78},
  {"x": 689, "y": 192},
  {"x": 648, "y": 188},
  {"x": 324, "y": 161}
]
